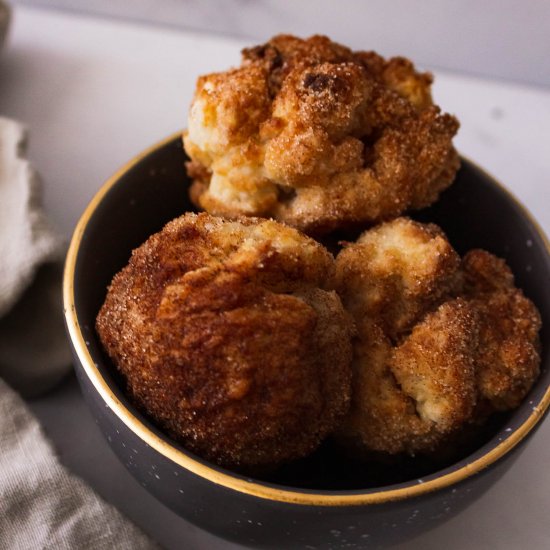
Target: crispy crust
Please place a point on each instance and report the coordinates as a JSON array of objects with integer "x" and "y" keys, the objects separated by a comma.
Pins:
[
  {"x": 508, "y": 358},
  {"x": 441, "y": 343},
  {"x": 230, "y": 340},
  {"x": 408, "y": 398},
  {"x": 396, "y": 272},
  {"x": 318, "y": 136}
]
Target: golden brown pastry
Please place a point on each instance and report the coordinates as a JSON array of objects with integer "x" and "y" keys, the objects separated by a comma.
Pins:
[
  {"x": 440, "y": 343},
  {"x": 229, "y": 336},
  {"x": 395, "y": 272},
  {"x": 318, "y": 136},
  {"x": 508, "y": 357}
]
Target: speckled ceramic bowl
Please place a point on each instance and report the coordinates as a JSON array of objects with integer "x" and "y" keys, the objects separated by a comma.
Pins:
[{"x": 325, "y": 501}]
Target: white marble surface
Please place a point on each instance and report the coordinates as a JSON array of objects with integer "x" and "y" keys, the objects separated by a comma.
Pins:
[
  {"x": 96, "y": 92},
  {"x": 499, "y": 38}
]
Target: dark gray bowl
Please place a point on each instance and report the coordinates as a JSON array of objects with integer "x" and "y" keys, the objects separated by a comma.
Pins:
[{"x": 325, "y": 501}]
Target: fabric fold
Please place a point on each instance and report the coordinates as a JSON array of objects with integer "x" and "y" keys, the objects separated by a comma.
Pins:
[
  {"x": 26, "y": 237},
  {"x": 42, "y": 505}
]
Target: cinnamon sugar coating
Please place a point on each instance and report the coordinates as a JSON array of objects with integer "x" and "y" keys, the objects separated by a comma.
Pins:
[
  {"x": 508, "y": 358},
  {"x": 230, "y": 338},
  {"x": 441, "y": 342},
  {"x": 318, "y": 136}
]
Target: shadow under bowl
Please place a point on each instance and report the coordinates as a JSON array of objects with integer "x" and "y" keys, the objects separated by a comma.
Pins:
[{"x": 325, "y": 500}]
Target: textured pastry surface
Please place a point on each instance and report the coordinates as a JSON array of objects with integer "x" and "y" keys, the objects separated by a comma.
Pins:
[
  {"x": 441, "y": 342},
  {"x": 229, "y": 336},
  {"x": 318, "y": 136}
]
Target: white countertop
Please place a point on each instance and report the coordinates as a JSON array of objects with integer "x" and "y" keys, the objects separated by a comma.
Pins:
[
  {"x": 497, "y": 38},
  {"x": 95, "y": 92}
]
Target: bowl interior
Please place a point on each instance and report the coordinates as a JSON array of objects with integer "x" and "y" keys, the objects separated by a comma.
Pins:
[{"x": 474, "y": 212}]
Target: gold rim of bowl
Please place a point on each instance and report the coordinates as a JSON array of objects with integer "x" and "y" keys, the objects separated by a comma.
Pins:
[{"x": 257, "y": 489}]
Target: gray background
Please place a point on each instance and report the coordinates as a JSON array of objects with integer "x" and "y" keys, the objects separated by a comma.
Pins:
[{"x": 507, "y": 39}]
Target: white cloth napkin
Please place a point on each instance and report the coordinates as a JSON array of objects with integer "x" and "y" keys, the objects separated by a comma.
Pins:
[
  {"x": 33, "y": 352},
  {"x": 27, "y": 239},
  {"x": 42, "y": 505}
]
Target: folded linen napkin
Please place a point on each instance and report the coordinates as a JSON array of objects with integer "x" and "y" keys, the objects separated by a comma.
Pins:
[
  {"x": 33, "y": 352},
  {"x": 27, "y": 238},
  {"x": 42, "y": 505}
]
